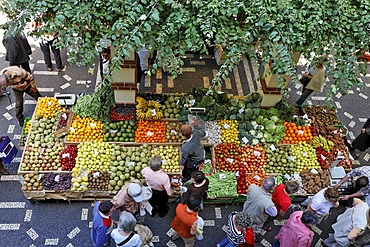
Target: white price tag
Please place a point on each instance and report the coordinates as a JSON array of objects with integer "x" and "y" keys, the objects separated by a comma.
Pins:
[
  {"x": 149, "y": 133},
  {"x": 257, "y": 177},
  {"x": 241, "y": 110},
  {"x": 257, "y": 153},
  {"x": 96, "y": 152},
  {"x": 313, "y": 170},
  {"x": 207, "y": 161},
  {"x": 42, "y": 150},
  {"x": 237, "y": 174},
  {"x": 230, "y": 160},
  {"x": 96, "y": 174},
  {"x": 177, "y": 102},
  {"x": 72, "y": 129},
  {"x": 222, "y": 176},
  {"x": 305, "y": 116},
  {"x": 164, "y": 161},
  {"x": 324, "y": 110},
  {"x": 245, "y": 140},
  {"x": 272, "y": 147},
  {"x": 50, "y": 103},
  {"x": 226, "y": 126},
  {"x": 65, "y": 155},
  {"x": 174, "y": 132},
  {"x": 300, "y": 132},
  {"x": 287, "y": 176},
  {"x": 295, "y": 116},
  {"x": 296, "y": 176},
  {"x": 113, "y": 131},
  {"x": 291, "y": 158},
  {"x": 56, "y": 178},
  {"x": 64, "y": 116},
  {"x": 192, "y": 102},
  {"x": 39, "y": 177},
  {"x": 153, "y": 112},
  {"x": 131, "y": 163},
  {"x": 304, "y": 154},
  {"x": 323, "y": 157},
  {"x": 335, "y": 131}
]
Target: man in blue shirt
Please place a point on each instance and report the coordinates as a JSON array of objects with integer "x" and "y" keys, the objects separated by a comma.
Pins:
[{"x": 102, "y": 223}]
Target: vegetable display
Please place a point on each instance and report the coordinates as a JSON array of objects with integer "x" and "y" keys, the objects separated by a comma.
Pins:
[{"x": 222, "y": 184}]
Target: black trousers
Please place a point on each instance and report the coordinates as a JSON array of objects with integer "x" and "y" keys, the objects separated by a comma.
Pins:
[
  {"x": 19, "y": 101},
  {"x": 45, "y": 47},
  {"x": 159, "y": 201}
]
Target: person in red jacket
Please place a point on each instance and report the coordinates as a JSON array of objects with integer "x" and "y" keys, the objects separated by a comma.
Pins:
[
  {"x": 281, "y": 197},
  {"x": 184, "y": 223}
]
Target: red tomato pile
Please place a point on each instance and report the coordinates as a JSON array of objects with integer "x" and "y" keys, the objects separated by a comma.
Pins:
[
  {"x": 226, "y": 156},
  {"x": 68, "y": 157},
  {"x": 252, "y": 158}
]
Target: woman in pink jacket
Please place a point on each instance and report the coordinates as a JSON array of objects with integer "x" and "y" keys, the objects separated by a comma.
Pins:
[{"x": 296, "y": 231}]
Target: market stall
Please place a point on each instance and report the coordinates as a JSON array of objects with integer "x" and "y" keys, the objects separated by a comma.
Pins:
[{"x": 73, "y": 157}]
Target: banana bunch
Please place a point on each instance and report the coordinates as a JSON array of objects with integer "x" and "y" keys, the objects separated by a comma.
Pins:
[
  {"x": 147, "y": 110},
  {"x": 319, "y": 141}
]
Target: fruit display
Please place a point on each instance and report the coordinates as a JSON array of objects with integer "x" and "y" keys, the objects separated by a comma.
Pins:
[
  {"x": 148, "y": 110},
  {"x": 115, "y": 115},
  {"x": 226, "y": 155},
  {"x": 254, "y": 178},
  {"x": 170, "y": 158},
  {"x": 150, "y": 131},
  {"x": 32, "y": 181},
  {"x": 91, "y": 156},
  {"x": 322, "y": 115},
  {"x": 42, "y": 151},
  {"x": 319, "y": 141},
  {"x": 213, "y": 132},
  {"x": 222, "y": 184},
  {"x": 171, "y": 106},
  {"x": 251, "y": 159},
  {"x": 63, "y": 119},
  {"x": 332, "y": 134},
  {"x": 48, "y": 107},
  {"x": 123, "y": 131},
  {"x": 279, "y": 159},
  {"x": 173, "y": 133},
  {"x": 126, "y": 164},
  {"x": 313, "y": 182},
  {"x": 229, "y": 131},
  {"x": 68, "y": 157},
  {"x": 304, "y": 156},
  {"x": 98, "y": 181},
  {"x": 295, "y": 134},
  {"x": 56, "y": 182},
  {"x": 85, "y": 129}
]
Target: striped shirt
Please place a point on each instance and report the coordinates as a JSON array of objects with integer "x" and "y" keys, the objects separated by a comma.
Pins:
[
  {"x": 235, "y": 236},
  {"x": 362, "y": 171}
]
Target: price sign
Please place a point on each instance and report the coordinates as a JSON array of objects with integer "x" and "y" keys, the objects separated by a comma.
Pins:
[
  {"x": 65, "y": 155},
  {"x": 92, "y": 124},
  {"x": 50, "y": 103},
  {"x": 149, "y": 133},
  {"x": 153, "y": 112},
  {"x": 300, "y": 132},
  {"x": 257, "y": 177},
  {"x": 226, "y": 126},
  {"x": 304, "y": 154},
  {"x": 245, "y": 140},
  {"x": 257, "y": 153},
  {"x": 335, "y": 131},
  {"x": 241, "y": 110},
  {"x": 177, "y": 102},
  {"x": 230, "y": 160},
  {"x": 64, "y": 116},
  {"x": 222, "y": 176},
  {"x": 56, "y": 178},
  {"x": 113, "y": 131},
  {"x": 164, "y": 161},
  {"x": 323, "y": 157},
  {"x": 131, "y": 163},
  {"x": 96, "y": 174},
  {"x": 39, "y": 177},
  {"x": 291, "y": 158},
  {"x": 96, "y": 152},
  {"x": 272, "y": 147},
  {"x": 305, "y": 116},
  {"x": 72, "y": 129},
  {"x": 174, "y": 132},
  {"x": 287, "y": 176},
  {"x": 192, "y": 102}
]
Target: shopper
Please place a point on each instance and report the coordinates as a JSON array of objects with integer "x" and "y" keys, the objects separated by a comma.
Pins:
[
  {"x": 349, "y": 225},
  {"x": 281, "y": 196},
  {"x": 17, "y": 50},
  {"x": 192, "y": 150},
  {"x": 47, "y": 43},
  {"x": 312, "y": 80},
  {"x": 3, "y": 171},
  {"x": 362, "y": 141},
  {"x": 102, "y": 224},
  {"x": 363, "y": 191},
  {"x": 237, "y": 224},
  {"x": 105, "y": 58},
  {"x": 159, "y": 182},
  {"x": 185, "y": 222},
  {"x": 133, "y": 198},
  {"x": 197, "y": 188},
  {"x": 296, "y": 231},
  {"x": 323, "y": 201},
  {"x": 124, "y": 235},
  {"x": 21, "y": 82},
  {"x": 259, "y": 204}
]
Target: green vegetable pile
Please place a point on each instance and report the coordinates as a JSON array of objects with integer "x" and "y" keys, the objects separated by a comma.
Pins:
[
  {"x": 96, "y": 105},
  {"x": 267, "y": 127},
  {"x": 207, "y": 168},
  {"x": 222, "y": 187}
]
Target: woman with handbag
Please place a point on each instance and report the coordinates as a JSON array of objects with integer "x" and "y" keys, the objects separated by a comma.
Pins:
[
  {"x": 312, "y": 80},
  {"x": 362, "y": 141}
]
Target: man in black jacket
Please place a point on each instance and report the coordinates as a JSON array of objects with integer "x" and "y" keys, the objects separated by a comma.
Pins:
[{"x": 17, "y": 50}]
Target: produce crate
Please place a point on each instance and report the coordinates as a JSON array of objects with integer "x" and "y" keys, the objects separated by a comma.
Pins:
[
  {"x": 64, "y": 130},
  {"x": 121, "y": 113},
  {"x": 330, "y": 119},
  {"x": 25, "y": 124}
]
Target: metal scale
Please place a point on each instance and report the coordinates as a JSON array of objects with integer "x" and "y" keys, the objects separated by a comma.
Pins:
[
  {"x": 336, "y": 174},
  {"x": 66, "y": 100}
]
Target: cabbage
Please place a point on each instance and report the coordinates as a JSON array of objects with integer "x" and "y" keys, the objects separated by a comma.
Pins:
[
  {"x": 275, "y": 118},
  {"x": 271, "y": 128}
]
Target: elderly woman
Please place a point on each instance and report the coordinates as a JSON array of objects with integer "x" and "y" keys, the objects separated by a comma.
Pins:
[
  {"x": 160, "y": 184},
  {"x": 124, "y": 235},
  {"x": 349, "y": 225},
  {"x": 323, "y": 201}
]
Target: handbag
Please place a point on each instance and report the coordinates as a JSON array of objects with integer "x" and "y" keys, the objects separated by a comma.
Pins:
[{"x": 127, "y": 239}]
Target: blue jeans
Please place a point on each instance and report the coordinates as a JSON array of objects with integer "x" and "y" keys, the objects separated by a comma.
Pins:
[
  {"x": 276, "y": 244},
  {"x": 226, "y": 243}
]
